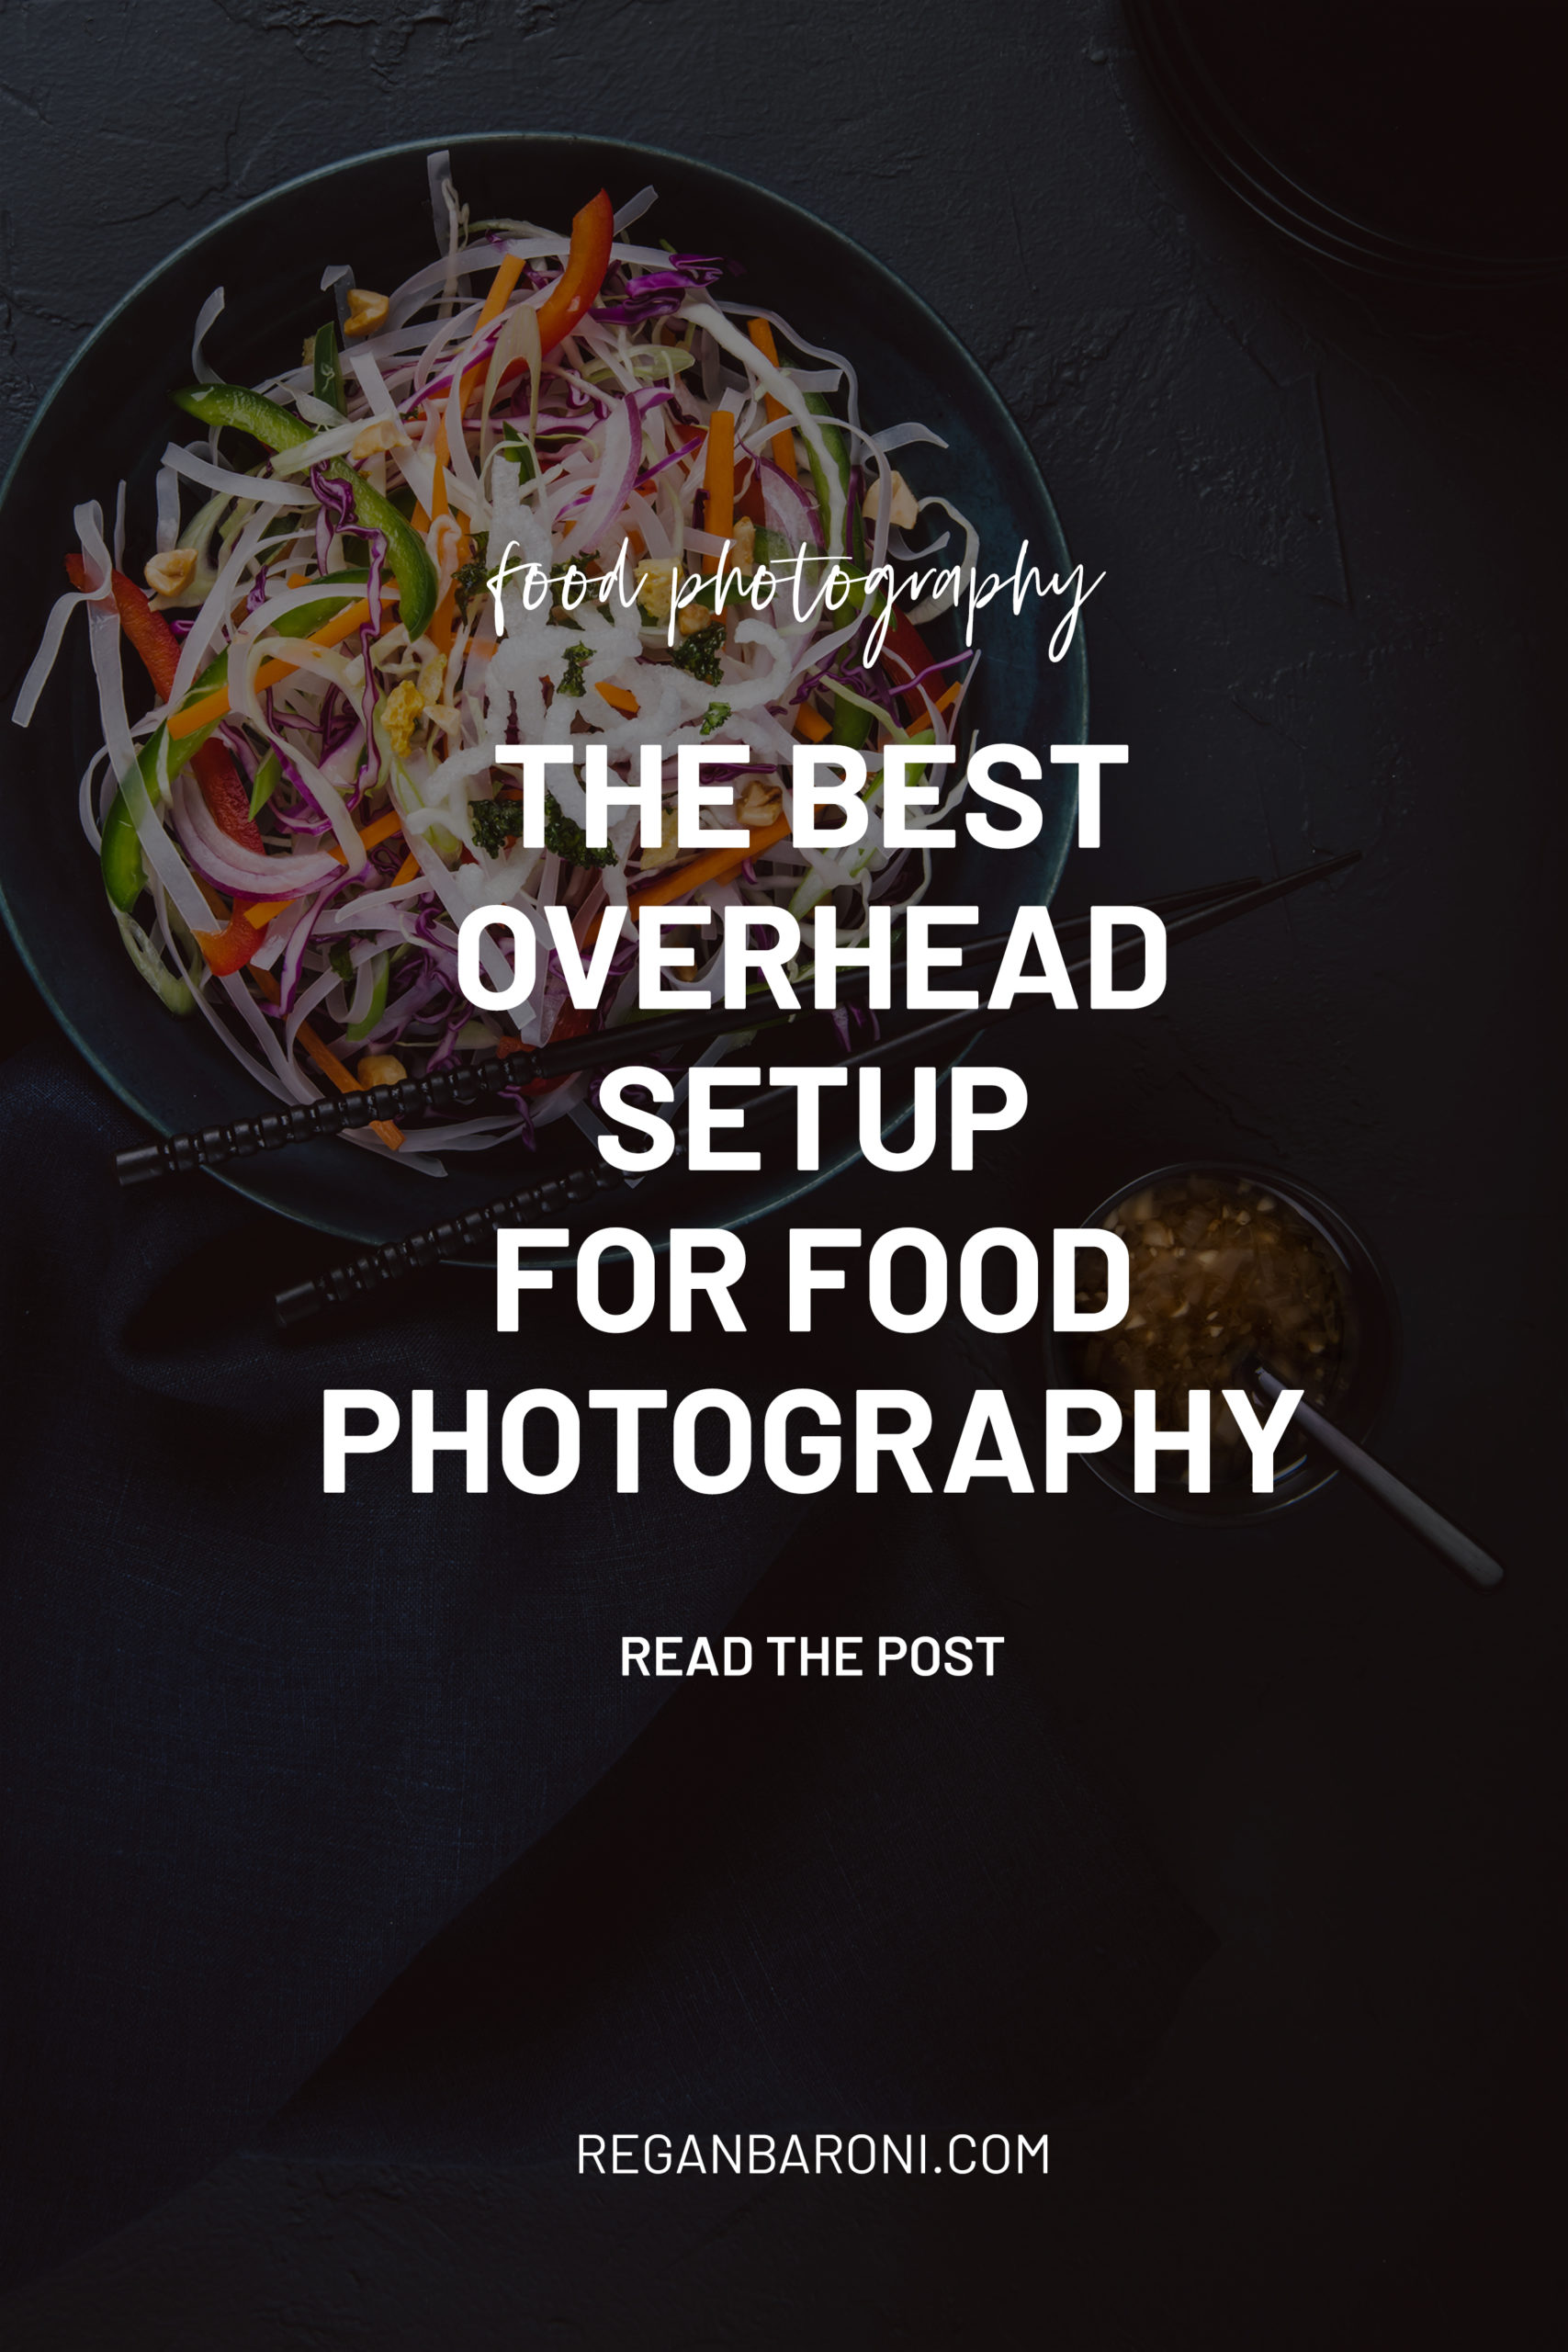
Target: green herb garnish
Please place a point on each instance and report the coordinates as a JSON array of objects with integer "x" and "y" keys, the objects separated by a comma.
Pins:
[
  {"x": 577, "y": 659},
  {"x": 714, "y": 717},
  {"x": 498, "y": 822},
  {"x": 495, "y": 822},
  {"x": 469, "y": 580},
  {"x": 568, "y": 840},
  {"x": 700, "y": 653}
]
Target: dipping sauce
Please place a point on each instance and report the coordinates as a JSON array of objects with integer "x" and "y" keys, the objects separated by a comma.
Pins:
[{"x": 1222, "y": 1270}]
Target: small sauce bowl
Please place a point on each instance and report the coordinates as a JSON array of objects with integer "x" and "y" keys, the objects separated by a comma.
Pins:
[{"x": 1230, "y": 1262}]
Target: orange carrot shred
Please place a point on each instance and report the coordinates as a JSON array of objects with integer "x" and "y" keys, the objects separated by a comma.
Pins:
[
  {"x": 716, "y": 866},
  {"x": 327, "y": 1062},
  {"x": 501, "y": 287},
  {"x": 782, "y": 443},
  {"x": 212, "y": 706}
]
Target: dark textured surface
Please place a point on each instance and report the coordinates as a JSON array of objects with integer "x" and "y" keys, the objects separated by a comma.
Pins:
[
  {"x": 1333, "y": 594},
  {"x": 261, "y": 1746}
]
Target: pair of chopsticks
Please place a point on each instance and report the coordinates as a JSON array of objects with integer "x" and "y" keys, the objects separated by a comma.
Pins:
[
  {"x": 1187, "y": 914},
  {"x": 459, "y": 1088}
]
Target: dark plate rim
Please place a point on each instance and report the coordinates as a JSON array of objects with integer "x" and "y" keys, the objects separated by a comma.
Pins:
[{"x": 1234, "y": 152}]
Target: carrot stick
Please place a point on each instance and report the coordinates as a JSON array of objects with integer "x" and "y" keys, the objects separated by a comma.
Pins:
[
  {"x": 495, "y": 301},
  {"x": 327, "y": 1062},
  {"x": 812, "y": 725},
  {"x": 716, "y": 866},
  {"x": 385, "y": 826},
  {"x": 619, "y": 699},
  {"x": 259, "y": 915},
  {"x": 405, "y": 872},
  {"x": 782, "y": 443},
  {"x": 382, "y": 830},
  {"x": 213, "y": 706},
  {"x": 501, "y": 287}
]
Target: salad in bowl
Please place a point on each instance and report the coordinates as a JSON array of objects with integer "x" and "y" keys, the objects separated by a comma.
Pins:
[{"x": 556, "y": 487}]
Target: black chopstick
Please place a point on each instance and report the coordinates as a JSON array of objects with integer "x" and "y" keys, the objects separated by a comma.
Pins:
[
  {"x": 1191, "y": 925},
  {"x": 460, "y": 1087},
  {"x": 360, "y": 1276}
]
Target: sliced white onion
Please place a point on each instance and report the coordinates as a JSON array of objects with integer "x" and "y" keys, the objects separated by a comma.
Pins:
[{"x": 233, "y": 866}]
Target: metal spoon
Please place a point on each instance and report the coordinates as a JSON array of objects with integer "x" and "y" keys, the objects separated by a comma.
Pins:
[{"x": 1431, "y": 1526}]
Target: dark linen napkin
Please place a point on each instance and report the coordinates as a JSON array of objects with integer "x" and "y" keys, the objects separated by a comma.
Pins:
[{"x": 283, "y": 1768}]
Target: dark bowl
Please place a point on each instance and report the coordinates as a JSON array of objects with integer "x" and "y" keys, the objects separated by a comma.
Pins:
[
  {"x": 1362, "y": 1386},
  {"x": 1413, "y": 145},
  {"x": 110, "y": 416}
]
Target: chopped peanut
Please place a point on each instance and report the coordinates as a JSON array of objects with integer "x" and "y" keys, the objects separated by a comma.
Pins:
[
  {"x": 759, "y": 802},
  {"x": 366, "y": 311},
  {"x": 906, "y": 507},
  {"x": 663, "y": 849},
  {"x": 381, "y": 433},
  {"x": 656, "y": 585},
  {"x": 400, "y": 715},
  {"x": 694, "y": 618},
  {"x": 432, "y": 678},
  {"x": 743, "y": 545},
  {"x": 167, "y": 574},
  {"x": 381, "y": 1069}
]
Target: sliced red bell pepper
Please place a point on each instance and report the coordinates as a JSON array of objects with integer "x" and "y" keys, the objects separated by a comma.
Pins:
[
  {"x": 223, "y": 786},
  {"x": 228, "y": 803},
  {"x": 230, "y": 950},
  {"x": 904, "y": 640},
  {"x": 749, "y": 502},
  {"x": 576, "y": 290},
  {"x": 148, "y": 630},
  {"x": 587, "y": 258}
]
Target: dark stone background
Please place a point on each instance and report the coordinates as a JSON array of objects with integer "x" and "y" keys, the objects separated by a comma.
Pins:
[{"x": 1334, "y": 560}]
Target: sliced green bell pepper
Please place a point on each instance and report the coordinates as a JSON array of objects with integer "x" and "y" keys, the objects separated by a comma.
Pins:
[
  {"x": 833, "y": 441},
  {"x": 268, "y": 776},
  {"x": 167, "y": 986},
  {"x": 119, "y": 852},
  {"x": 119, "y": 856},
  {"x": 234, "y": 404},
  {"x": 299, "y": 623},
  {"x": 358, "y": 1030}
]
